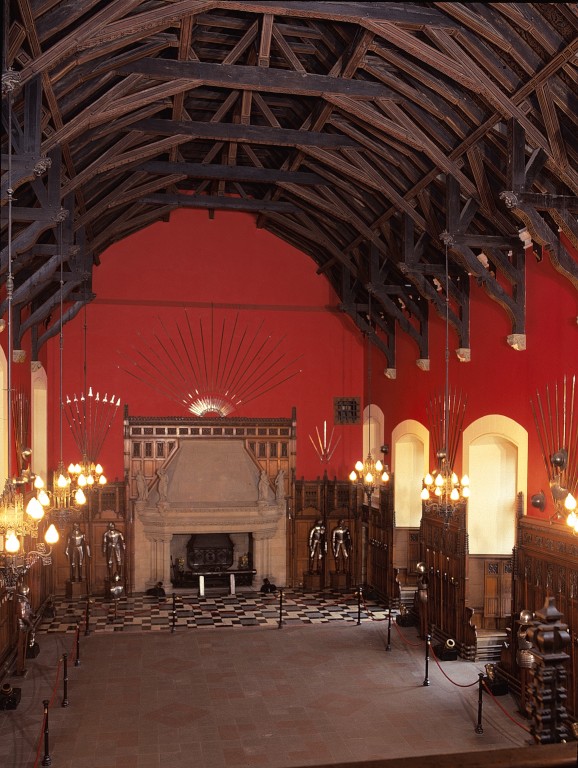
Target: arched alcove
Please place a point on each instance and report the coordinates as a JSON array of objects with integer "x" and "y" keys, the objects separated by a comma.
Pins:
[
  {"x": 409, "y": 455},
  {"x": 410, "y": 450},
  {"x": 39, "y": 420},
  {"x": 495, "y": 456},
  {"x": 372, "y": 430}
]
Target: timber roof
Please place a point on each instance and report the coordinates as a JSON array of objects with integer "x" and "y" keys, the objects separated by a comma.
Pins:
[{"x": 379, "y": 138}]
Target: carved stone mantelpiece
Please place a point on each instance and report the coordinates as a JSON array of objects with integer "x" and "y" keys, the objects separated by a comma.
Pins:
[{"x": 208, "y": 485}]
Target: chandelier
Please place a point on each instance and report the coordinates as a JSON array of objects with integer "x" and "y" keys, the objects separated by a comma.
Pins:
[
  {"x": 89, "y": 418},
  {"x": 558, "y": 437},
  {"x": 21, "y": 510},
  {"x": 443, "y": 493},
  {"x": 369, "y": 474}
]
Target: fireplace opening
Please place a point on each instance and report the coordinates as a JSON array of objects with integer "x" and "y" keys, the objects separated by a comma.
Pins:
[{"x": 214, "y": 556}]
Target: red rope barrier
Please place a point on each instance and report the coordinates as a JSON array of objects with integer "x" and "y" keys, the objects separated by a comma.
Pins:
[
  {"x": 369, "y": 613},
  {"x": 404, "y": 638},
  {"x": 520, "y": 725},
  {"x": 56, "y": 681},
  {"x": 453, "y": 682}
]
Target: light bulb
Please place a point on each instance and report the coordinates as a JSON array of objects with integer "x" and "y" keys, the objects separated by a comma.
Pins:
[
  {"x": 466, "y": 492},
  {"x": 102, "y": 480},
  {"x": 454, "y": 495},
  {"x": 424, "y": 494},
  {"x": 43, "y": 498},
  {"x": 384, "y": 477},
  {"x": 38, "y": 482},
  {"x": 570, "y": 502},
  {"x": 439, "y": 481},
  {"x": 34, "y": 509},
  {"x": 359, "y": 466},
  {"x": 79, "y": 497},
  {"x": 62, "y": 482},
  {"x": 72, "y": 469},
  {"x": 90, "y": 480},
  {"x": 438, "y": 491},
  {"x": 465, "y": 480},
  {"x": 98, "y": 469},
  {"x": 379, "y": 466},
  {"x": 368, "y": 478},
  {"x": 51, "y": 535},
  {"x": 572, "y": 519},
  {"x": 353, "y": 476},
  {"x": 454, "y": 478},
  {"x": 81, "y": 480},
  {"x": 11, "y": 543},
  {"x": 428, "y": 479}
]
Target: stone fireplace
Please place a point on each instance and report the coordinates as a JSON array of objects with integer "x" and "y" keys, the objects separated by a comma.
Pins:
[{"x": 188, "y": 482}]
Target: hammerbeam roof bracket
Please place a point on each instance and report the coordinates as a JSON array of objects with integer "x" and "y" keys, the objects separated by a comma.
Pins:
[
  {"x": 422, "y": 275},
  {"x": 529, "y": 206},
  {"x": 505, "y": 256},
  {"x": 402, "y": 309},
  {"x": 359, "y": 313}
]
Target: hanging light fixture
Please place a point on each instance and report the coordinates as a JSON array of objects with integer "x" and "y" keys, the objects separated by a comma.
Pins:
[
  {"x": 21, "y": 510},
  {"x": 68, "y": 499},
  {"x": 443, "y": 493},
  {"x": 369, "y": 474},
  {"x": 90, "y": 418}
]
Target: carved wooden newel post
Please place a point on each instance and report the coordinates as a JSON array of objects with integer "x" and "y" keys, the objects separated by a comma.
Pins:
[{"x": 549, "y": 637}]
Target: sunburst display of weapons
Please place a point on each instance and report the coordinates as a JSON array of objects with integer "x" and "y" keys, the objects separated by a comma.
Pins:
[
  {"x": 558, "y": 437},
  {"x": 211, "y": 371}
]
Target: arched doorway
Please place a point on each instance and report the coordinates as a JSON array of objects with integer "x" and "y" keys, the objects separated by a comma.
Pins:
[{"x": 496, "y": 459}]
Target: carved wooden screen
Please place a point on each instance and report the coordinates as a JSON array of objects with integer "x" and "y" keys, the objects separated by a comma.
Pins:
[
  {"x": 329, "y": 501},
  {"x": 380, "y": 573},
  {"x": 546, "y": 565},
  {"x": 444, "y": 550}
]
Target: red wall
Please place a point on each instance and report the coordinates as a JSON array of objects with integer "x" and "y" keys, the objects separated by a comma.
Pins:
[
  {"x": 498, "y": 379},
  {"x": 196, "y": 262}
]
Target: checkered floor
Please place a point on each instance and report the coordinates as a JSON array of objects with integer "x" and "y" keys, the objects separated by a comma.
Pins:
[{"x": 140, "y": 613}]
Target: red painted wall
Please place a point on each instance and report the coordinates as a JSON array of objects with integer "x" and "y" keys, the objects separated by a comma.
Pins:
[
  {"x": 498, "y": 379},
  {"x": 194, "y": 262}
]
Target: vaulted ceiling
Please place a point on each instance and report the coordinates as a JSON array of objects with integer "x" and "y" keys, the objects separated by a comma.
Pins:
[{"x": 407, "y": 148}]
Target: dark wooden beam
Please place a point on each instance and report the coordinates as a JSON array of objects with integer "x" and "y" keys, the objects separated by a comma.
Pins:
[
  {"x": 260, "y": 79},
  {"x": 214, "y": 202},
  {"x": 249, "y": 134},
  {"x": 245, "y": 173},
  {"x": 539, "y": 202}
]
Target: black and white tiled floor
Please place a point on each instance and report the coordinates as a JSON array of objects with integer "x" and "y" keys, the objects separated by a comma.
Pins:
[{"x": 140, "y": 613}]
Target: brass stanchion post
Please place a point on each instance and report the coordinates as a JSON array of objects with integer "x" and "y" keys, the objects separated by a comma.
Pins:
[
  {"x": 479, "y": 728},
  {"x": 427, "y": 645},
  {"x": 65, "y": 680},
  {"x": 280, "y": 626},
  {"x": 77, "y": 659},
  {"x": 46, "y": 760}
]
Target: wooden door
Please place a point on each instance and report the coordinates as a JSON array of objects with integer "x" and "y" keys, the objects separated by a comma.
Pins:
[{"x": 497, "y": 589}]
